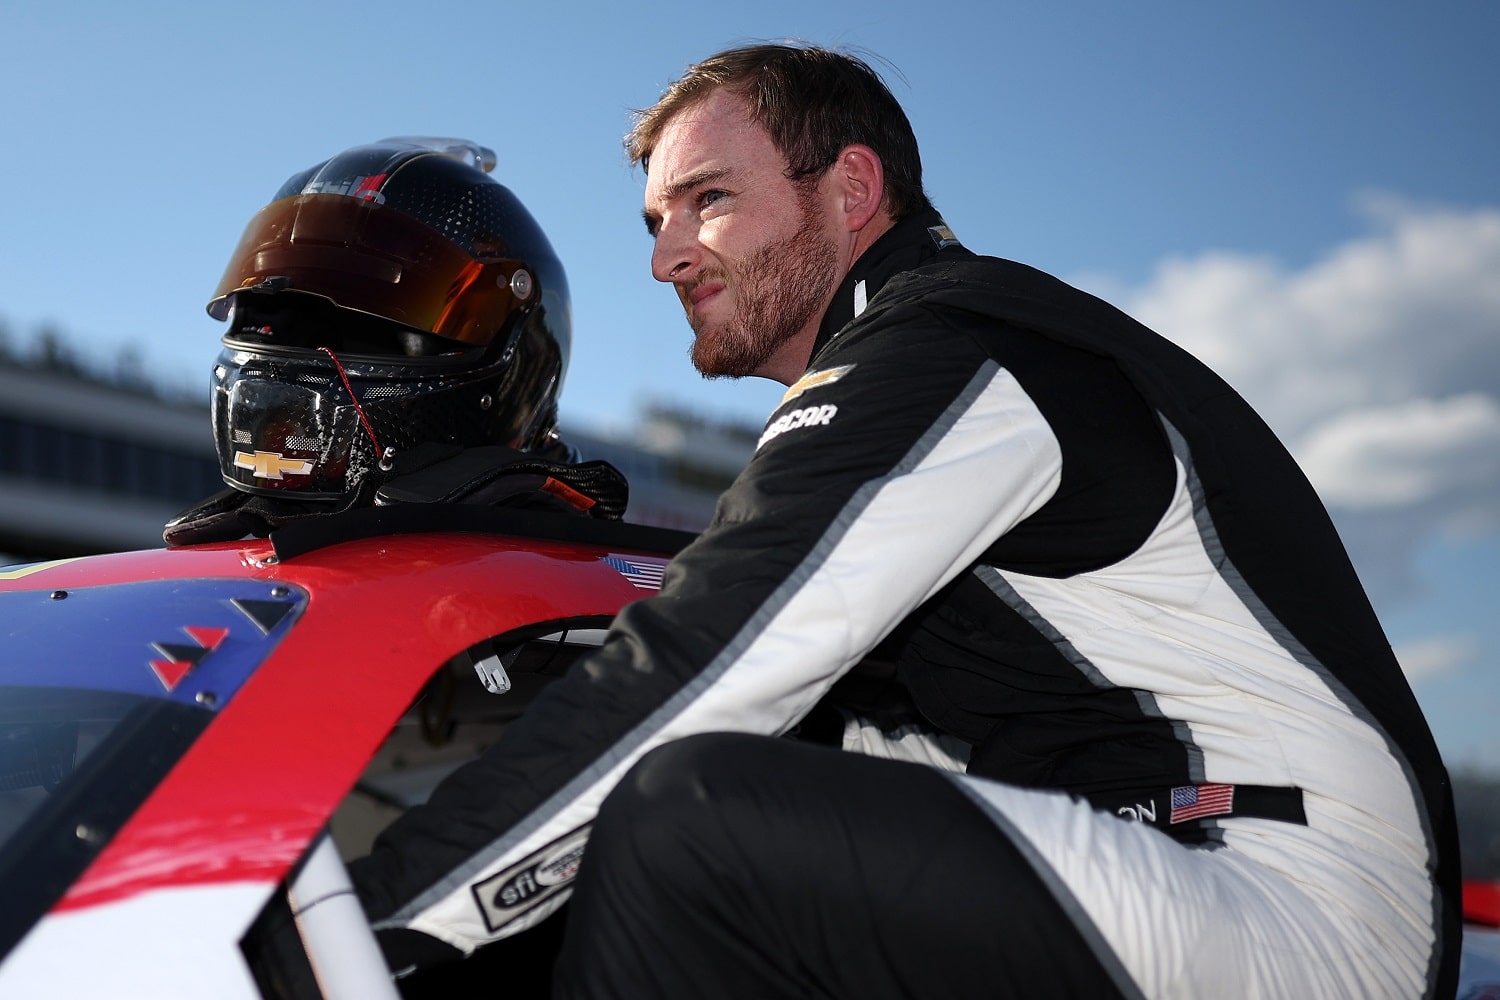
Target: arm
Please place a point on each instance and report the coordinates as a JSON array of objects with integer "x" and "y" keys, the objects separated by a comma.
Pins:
[{"x": 868, "y": 493}]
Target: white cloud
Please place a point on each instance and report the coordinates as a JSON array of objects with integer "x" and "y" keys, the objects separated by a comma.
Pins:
[
  {"x": 1428, "y": 658},
  {"x": 1378, "y": 364},
  {"x": 1410, "y": 311},
  {"x": 1404, "y": 454}
]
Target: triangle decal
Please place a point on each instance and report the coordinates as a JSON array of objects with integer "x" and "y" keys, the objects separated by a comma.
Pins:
[
  {"x": 208, "y": 638},
  {"x": 265, "y": 614},
  {"x": 180, "y": 652},
  {"x": 170, "y": 672}
]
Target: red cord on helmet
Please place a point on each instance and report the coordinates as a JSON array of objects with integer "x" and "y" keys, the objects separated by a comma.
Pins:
[{"x": 338, "y": 366}]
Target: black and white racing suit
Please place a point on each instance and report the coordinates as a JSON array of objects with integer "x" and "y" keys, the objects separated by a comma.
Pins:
[{"x": 1166, "y": 748}]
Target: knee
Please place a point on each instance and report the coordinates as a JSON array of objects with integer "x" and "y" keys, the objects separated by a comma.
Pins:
[
  {"x": 678, "y": 778},
  {"x": 680, "y": 793}
]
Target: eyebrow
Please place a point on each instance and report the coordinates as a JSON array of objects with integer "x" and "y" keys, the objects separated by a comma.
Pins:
[{"x": 681, "y": 186}]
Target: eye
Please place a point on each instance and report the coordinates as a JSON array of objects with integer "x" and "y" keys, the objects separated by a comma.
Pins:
[{"x": 707, "y": 198}]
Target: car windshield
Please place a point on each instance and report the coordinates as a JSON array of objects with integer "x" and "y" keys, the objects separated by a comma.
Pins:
[{"x": 74, "y": 765}]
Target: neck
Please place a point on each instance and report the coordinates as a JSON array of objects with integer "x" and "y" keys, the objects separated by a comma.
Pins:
[
  {"x": 791, "y": 359},
  {"x": 899, "y": 246}
]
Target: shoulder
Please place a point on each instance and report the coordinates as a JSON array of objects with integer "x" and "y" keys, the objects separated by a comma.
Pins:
[
  {"x": 1001, "y": 301},
  {"x": 986, "y": 288},
  {"x": 987, "y": 301}
]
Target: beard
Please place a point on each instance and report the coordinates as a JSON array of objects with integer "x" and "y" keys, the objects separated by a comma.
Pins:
[{"x": 778, "y": 289}]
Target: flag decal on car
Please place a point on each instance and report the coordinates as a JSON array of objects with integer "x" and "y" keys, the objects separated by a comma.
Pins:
[{"x": 642, "y": 571}]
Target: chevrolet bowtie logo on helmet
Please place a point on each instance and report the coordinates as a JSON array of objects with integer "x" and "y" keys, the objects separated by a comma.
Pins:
[{"x": 271, "y": 464}]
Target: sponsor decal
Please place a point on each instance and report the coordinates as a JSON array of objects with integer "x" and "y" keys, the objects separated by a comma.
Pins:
[
  {"x": 505, "y": 896},
  {"x": 271, "y": 464},
  {"x": 812, "y": 380},
  {"x": 1197, "y": 801},
  {"x": 642, "y": 571},
  {"x": 809, "y": 416}
]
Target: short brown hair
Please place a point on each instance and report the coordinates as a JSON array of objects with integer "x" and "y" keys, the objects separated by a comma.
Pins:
[{"x": 812, "y": 101}]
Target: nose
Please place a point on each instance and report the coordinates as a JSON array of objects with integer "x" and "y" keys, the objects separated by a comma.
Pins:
[{"x": 674, "y": 254}]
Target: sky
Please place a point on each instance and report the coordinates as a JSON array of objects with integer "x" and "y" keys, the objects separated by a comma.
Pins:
[{"x": 1306, "y": 195}]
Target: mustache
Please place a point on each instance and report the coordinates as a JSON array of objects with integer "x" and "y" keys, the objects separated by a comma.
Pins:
[{"x": 714, "y": 273}]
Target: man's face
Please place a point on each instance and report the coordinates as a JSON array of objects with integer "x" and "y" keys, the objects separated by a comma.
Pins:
[{"x": 753, "y": 257}]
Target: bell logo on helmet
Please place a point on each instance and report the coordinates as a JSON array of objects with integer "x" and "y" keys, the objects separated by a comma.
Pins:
[
  {"x": 271, "y": 464},
  {"x": 364, "y": 187}
]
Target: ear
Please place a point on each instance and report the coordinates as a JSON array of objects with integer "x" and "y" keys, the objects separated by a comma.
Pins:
[{"x": 861, "y": 180}]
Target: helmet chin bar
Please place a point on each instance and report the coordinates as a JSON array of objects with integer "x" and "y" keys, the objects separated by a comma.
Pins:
[{"x": 321, "y": 423}]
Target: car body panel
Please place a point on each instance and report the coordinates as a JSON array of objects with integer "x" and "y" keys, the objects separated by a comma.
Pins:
[
  {"x": 160, "y": 943},
  {"x": 307, "y": 663}
]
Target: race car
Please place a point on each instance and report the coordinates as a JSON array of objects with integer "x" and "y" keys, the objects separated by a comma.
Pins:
[
  {"x": 191, "y": 737},
  {"x": 194, "y": 739}
]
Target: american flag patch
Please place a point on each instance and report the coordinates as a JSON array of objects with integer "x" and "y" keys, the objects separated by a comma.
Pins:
[
  {"x": 1197, "y": 801},
  {"x": 643, "y": 571}
]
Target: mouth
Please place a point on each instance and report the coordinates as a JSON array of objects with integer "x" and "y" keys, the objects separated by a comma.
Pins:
[{"x": 703, "y": 291}]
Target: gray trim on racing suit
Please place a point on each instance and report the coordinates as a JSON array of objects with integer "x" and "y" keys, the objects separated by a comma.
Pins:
[{"x": 1182, "y": 613}]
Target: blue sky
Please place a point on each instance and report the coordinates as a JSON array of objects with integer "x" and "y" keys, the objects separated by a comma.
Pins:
[{"x": 1307, "y": 195}]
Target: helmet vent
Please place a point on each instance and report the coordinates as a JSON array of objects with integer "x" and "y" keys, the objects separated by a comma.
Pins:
[
  {"x": 388, "y": 391},
  {"x": 319, "y": 381}
]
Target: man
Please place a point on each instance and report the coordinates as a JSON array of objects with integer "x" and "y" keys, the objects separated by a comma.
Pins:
[{"x": 1125, "y": 722}]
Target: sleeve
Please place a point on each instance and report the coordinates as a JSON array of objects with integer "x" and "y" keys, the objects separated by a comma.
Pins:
[{"x": 901, "y": 456}]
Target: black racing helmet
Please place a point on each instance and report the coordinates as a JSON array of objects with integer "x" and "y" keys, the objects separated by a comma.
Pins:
[{"x": 391, "y": 296}]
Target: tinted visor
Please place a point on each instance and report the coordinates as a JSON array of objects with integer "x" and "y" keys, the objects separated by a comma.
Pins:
[
  {"x": 268, "y": 324},
  {"x": 364, "y": 256}
]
